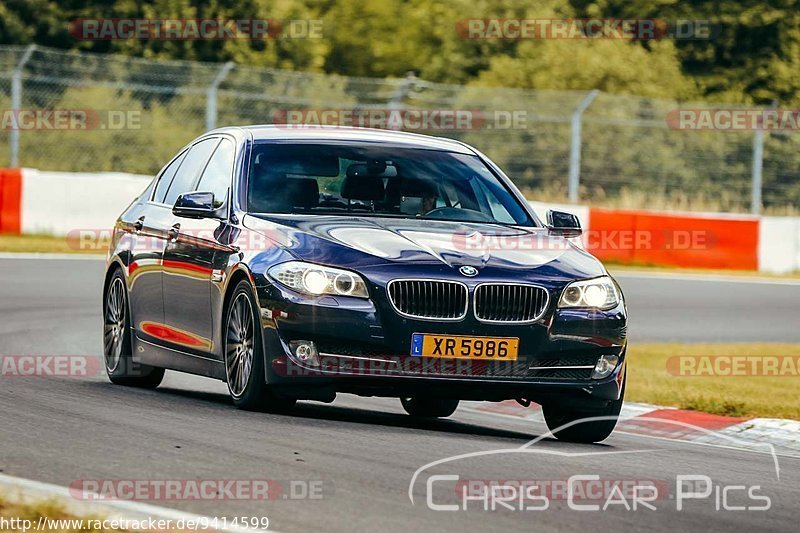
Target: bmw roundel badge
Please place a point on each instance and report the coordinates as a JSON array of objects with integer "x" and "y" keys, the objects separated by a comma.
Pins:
[{"x": 468, "y": 271}]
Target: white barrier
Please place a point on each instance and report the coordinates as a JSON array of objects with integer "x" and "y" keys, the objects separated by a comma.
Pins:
[
  {"x": 779, "y": 244},
  {"x": 57, "y": 203}
]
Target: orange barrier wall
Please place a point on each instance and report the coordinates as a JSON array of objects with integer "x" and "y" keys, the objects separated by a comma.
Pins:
[
  {"x": 10, "y": 200},
  {"x": 683, "y": 240}
]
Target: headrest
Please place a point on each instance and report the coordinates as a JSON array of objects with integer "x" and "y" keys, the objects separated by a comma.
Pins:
[
  {"x": 302, "y": 192},
  {"x": 358, "y": 170},
  {"x": 374, "y": 167},
  {"x": 358, "y": 184}
]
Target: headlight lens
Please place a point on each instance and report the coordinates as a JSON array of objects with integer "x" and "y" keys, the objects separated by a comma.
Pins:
[
  {"x": 599, "y": 293},
  {"x": 317, "y": 280}
]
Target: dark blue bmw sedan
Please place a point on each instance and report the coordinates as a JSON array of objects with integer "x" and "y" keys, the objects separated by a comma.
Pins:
[{"x": 297, "y": 263}]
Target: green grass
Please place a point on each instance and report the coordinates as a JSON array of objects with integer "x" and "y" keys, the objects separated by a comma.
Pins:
[
  {"x": 50, "y": 509},
  {"x": 44, "y": 244},
  {"x": 753, "y": 396}
]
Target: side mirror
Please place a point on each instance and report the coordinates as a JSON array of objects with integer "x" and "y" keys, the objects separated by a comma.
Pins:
[
  {"x": 196, "y": 205},
  {"x": 565, "y": 224}
]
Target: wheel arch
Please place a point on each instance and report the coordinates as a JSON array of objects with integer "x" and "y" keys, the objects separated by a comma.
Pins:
[
  {"x": 238, "y": 274},
  {"x": 113, "y": 266}
]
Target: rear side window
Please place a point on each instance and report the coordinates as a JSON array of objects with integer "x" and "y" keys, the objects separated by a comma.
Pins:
[
  {"x": 186, "y": 176},
  {"x": 216, "y": 177},
  {"x": 166, "y": 178}
]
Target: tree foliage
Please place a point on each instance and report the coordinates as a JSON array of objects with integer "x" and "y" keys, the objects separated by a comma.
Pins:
[{"x": 752, "y": 56}]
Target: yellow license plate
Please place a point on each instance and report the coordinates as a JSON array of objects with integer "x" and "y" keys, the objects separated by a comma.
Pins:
[{"x": 465, "y": 347}]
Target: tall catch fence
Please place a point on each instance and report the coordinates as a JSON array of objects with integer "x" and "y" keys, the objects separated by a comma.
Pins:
[{"x": 556, "y": 145}]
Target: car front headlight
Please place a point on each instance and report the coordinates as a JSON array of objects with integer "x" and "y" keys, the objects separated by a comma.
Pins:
[
  {"x": 318, "y": 280},
  {"x": 597, "y": 293}
]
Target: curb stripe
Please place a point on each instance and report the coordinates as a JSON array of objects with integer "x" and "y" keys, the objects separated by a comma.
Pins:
[
  {"x": 651, "y": 424},
  {"x": 782, "y": 436},
  {"x": 27, "y": 491}
]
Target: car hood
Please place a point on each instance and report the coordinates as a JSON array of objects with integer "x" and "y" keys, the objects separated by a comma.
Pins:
[{"x": 363, "y": 242}]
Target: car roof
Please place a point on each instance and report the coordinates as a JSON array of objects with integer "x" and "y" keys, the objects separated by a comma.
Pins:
[{"x": 267, "y": 132}]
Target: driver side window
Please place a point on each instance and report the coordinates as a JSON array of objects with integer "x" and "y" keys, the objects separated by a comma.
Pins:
[
  {"x": 166, "y": 178},
  {"x": 216, "y": 177},
  {"x": 194, "y": 162}
]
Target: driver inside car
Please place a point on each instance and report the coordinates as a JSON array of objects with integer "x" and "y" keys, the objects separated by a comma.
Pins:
[{"x": 428, "y": 203}]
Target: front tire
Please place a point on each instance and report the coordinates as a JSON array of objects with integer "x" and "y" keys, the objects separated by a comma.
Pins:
[
  {"x": 244, "y": 360},
  {"x": 120, "y": 367},
  {"x": 556, "y": 416},
  {"x": 422, "y": 407}
]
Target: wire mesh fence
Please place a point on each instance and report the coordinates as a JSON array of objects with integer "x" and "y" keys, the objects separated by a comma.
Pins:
[{"x": 627, "y": 153}]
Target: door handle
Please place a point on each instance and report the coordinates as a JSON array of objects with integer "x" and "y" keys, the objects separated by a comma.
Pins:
[
  {"x": 139, "y": 224},
  {"x": 174, "y": 231}
]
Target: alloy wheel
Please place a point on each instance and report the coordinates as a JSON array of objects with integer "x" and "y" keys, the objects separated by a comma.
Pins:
[
  {"x": 239, "y": 348},
  {"x": 114, "y": 324}
]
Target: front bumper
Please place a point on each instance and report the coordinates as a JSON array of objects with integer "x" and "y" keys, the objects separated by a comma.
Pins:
[{"x": 364, "y": 348}]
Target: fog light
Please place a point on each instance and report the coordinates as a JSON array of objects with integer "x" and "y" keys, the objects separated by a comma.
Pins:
[
  {"x": 605, "y": 366},
  {"x": 305, "y": 352}
]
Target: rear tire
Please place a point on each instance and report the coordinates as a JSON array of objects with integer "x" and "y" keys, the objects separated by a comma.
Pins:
[
  {"x": 422, "y": 407},
  {"x": 117, "y": 345},
  {"x": 557, "y": 416},
  {"x": 244, "y": 360}
]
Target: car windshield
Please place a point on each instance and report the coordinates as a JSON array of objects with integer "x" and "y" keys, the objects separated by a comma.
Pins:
[{"x": 369, "y": 179}]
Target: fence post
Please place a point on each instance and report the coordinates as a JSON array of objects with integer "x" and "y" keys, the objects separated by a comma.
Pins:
[
  {"x": 16, "y": 103},
  {"x": 758, "y": 164},
  {"x": 396, "y": 101},
  {"x": 211, "y": 95},
  {"x": 575, "y": 146}
]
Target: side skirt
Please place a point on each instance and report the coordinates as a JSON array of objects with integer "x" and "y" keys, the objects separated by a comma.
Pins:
[{"x": 148, "y": 353}]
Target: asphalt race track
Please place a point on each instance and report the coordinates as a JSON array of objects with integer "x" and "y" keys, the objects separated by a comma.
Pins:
[
  {"x": 711, "y": 309},
  {"x": 359, "y": 454}
]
